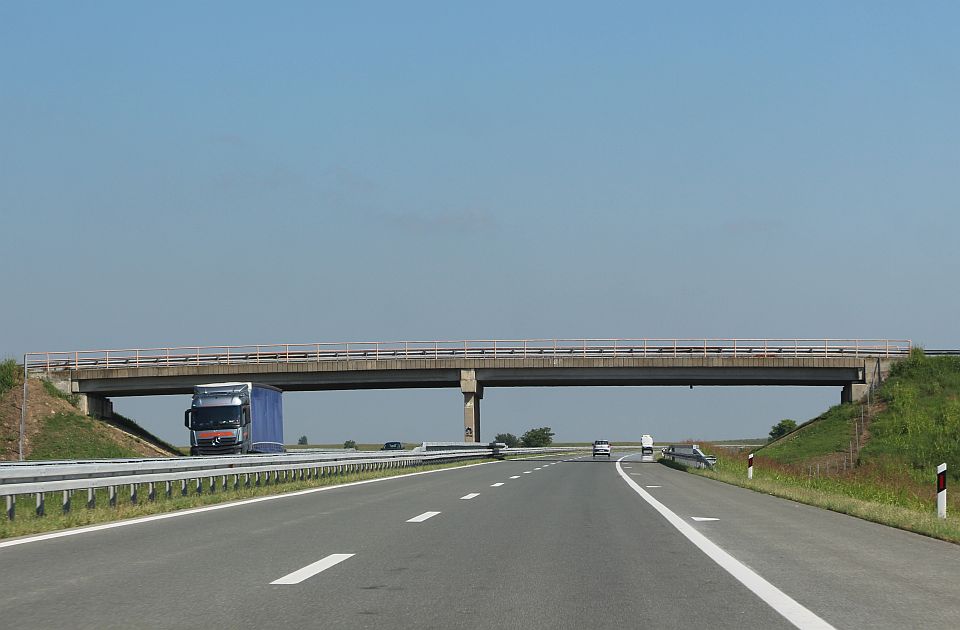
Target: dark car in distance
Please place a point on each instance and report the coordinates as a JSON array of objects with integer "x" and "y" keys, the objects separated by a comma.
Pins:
[{"x": 392, "y": 446}]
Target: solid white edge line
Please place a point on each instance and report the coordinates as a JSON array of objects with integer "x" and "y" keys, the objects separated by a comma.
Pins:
[
  {"x": 789, "y": 608},
  {"x": 422, "y": 517},
  {"x": 312, "y": 569},
  {"x": 218, "y": 506},
  {"x": 470, "y": 496}
]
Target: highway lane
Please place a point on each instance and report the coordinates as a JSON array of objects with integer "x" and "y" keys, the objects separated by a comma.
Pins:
[
  {"x": 568, "y": 545},
  {"x": 855, "y": 572}
]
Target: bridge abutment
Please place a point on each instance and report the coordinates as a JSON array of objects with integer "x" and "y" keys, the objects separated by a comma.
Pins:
[
  {"x": 472, "y": 395},
  {"x": 854, "y": 392},
  {"x": 88, "y": 404}
]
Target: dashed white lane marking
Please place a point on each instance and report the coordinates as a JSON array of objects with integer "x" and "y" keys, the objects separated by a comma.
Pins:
[
  {"x": 791, "y": 609},
  {"x": 536, "y": 469},
  {"x": 312, "y": 569},
  {"x": 496, "y": 485},
  {"x": 515, "y": 477},
  {"x": 700, "y": 519},
  {"x": 467, "y": 497},
  {"x": 654, "y": 486},
  {"x": 527, "y": 472},
  {"x": 628, "y": 466},
  {"x": 422, "y": 517}
]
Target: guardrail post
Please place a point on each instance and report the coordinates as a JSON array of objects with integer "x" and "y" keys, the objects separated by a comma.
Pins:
[
  {"x": 11, "y": 506},
  {"x": 199, "y": 485},
  {"x": 40, "y": 507},
  {"x": 151, "y": 492},
  {"x": 223, "y": 483},
  {"x": 168, "y": 489},
  {"x": 942, "y": 490},
  {"x": 133, "y": 494},
  {"x": 65, "y": 503},
  {"x": 256, "y": 479},
  {"x": 236, "y": 482},
  {"x": 183, "y": 487},
  {"x": 112, "y": 494},
  {"x": 213, "y": 485},
  {"x": 750, "y": 466},
  {"x": 91, "y": 498},
  {"x": 246, "y": 480}
]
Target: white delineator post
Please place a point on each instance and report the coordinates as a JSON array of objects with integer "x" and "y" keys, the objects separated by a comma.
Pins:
[
  {"x": 942, "y": 490},
  {"x": 750, "y": 466}
]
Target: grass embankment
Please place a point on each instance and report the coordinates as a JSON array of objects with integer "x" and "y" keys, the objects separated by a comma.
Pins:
[
  {"x": 913, "y": 427},
  {"x": 26, "y": 521}
]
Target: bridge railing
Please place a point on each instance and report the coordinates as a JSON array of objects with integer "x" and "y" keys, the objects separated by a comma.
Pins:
[{"x": 464, "y": 349}]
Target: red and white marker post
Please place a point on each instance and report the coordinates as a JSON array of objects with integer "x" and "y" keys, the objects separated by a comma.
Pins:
[
  {"x": 750, "y": 466},
  {"x": 942, "y": 490}
]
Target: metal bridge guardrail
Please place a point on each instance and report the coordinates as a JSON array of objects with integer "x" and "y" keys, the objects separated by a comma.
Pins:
[
  {"x": 464, "y": 349},
  {"x": 689, "y": 453}
]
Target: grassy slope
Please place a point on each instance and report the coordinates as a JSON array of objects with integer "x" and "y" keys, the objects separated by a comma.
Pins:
[
  {"x": 827, "y": 433},
  {"x": 915, "y": 428},
  {"x": 67, "y": 434},
  {"x": 918, "y": 428},
  {"x": 73, "y": 436}
]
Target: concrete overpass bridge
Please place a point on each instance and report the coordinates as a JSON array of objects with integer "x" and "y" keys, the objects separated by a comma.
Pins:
[{"x": 98, "y": 375}]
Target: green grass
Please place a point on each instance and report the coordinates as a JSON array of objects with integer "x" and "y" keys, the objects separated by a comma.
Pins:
[
  {"x": 10, "y": 375},
  {"x": 73, "y": 436},
  {"x": 828, "y": 433},
  {"x": 921, "y": 424},
  {"x": 26, "y": 522},
  {"x": 866, "y": 492},
  {"x": 915, "y": 426}
]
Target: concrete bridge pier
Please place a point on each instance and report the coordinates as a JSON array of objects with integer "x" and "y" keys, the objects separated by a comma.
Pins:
[
  {"x": 854, "y": 392},
  {"x": 472, "y": 394},
  {"x": 96, "y": 406}
]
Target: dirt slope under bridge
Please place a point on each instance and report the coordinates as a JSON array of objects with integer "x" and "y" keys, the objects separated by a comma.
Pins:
[{"x": 55, "y": 426}]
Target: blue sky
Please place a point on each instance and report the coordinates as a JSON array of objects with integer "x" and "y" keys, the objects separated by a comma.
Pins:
[{"x": 231, "y": 173}]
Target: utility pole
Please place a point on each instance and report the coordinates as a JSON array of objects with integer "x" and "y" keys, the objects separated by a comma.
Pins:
[{"x": 23, "y": 407}]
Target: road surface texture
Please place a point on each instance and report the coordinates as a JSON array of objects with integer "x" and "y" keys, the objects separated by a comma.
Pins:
[{"x": 540, "y": 543}]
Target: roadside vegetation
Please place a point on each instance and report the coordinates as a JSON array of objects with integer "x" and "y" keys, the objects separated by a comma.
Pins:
[
  {"x": 877, "y": 462},
  {"x": 27, "y": 522},
  {"x": 10, "y": 375}
]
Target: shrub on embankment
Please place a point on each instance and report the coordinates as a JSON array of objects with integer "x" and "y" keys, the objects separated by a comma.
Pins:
[{"x": 9, "y": 375}]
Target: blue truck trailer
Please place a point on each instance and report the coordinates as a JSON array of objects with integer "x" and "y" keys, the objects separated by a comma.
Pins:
[{"x": 233, "y": 418}]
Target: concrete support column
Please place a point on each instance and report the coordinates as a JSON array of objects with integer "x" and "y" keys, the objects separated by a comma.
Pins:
[
  {"x": 854, "y": 392},
  {"x": 96, "y": 406},
  {"x": 472, "y": 394}
]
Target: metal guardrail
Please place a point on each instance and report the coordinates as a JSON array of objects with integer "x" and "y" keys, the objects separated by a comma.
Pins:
[
  {"x": 470, "y": 349},
  {"x": 689, "y": 453},
  {"x": 40, "y": 478}
]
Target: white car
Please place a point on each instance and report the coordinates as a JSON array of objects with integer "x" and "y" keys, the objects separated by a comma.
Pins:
[{"x": 601, "y": 447}]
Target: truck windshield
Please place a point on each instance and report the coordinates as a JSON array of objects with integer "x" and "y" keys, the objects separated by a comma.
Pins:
[{"x": 215, "y": 417}]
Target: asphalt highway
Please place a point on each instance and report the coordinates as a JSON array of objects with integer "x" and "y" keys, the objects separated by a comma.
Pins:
[{"x": 540, "y": 543}]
